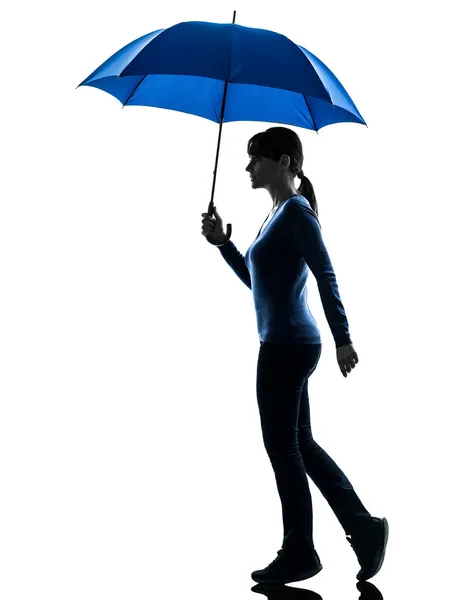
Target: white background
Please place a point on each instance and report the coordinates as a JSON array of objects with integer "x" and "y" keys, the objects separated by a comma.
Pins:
[{"x": 130, "y": 441}]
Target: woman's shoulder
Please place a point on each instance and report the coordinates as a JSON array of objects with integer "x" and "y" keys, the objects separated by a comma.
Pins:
[
  {"x": 299, "y": 207},
  {"x": 298, "y": 200}
]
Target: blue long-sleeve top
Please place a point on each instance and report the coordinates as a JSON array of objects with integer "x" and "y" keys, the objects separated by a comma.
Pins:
[{"x": 276, "y": 266}]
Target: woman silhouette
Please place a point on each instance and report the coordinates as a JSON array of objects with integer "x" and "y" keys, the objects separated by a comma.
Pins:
[{"x": 275, "y": 268}]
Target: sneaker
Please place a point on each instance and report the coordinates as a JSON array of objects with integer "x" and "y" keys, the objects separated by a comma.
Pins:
[
  {"x": 287, "y": 568},
  {"x": 369, "y": 547}
]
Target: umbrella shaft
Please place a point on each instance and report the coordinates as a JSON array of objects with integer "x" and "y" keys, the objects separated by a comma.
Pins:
[{"x": 211, "y": 203}]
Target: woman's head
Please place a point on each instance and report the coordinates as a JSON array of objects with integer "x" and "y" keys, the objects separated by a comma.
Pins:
[{"x": 277, "y": 155}]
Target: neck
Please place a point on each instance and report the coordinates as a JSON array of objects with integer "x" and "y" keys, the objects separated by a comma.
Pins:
[{"x": 282, "y": 193}]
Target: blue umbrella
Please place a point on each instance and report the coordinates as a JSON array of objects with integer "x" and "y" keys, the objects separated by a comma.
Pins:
[{"x": 200, "y": 68}]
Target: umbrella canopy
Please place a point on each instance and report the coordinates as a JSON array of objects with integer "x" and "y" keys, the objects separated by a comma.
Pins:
[{"x": 223, "y": 73}]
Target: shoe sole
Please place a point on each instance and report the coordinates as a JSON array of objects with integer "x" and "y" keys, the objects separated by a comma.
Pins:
[
  {"x": 282, "y": 580},
  {"x": 380, "y": 556}
]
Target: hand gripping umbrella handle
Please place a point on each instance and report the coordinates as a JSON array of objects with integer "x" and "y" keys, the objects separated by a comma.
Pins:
[{"x": 210, "y": 212}]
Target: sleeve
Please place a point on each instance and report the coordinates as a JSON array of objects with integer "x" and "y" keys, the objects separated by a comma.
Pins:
[
  {"x": 236, "y": 261},
  {"x": 307, "y": 239}
]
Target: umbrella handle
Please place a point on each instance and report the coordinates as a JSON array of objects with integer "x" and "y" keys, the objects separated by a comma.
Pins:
[
  {"x": 228, "y": 233},
  {"x": 210, "y": 212}
]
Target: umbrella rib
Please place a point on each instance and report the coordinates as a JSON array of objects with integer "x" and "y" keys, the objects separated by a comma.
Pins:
[
  {"x": 310, "y": 113},
  {"x": 132, "y": 93}
]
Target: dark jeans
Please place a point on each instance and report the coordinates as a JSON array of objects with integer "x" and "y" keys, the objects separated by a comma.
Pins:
[{"x": 282, "y": 380}]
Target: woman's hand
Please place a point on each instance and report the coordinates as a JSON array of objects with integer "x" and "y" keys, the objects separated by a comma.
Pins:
[
  {"x": 347, "y": 358},
  {"x": 213, "y": 229}
]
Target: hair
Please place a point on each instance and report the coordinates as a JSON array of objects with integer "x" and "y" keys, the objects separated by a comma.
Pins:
[{"x": 276, "y": 141}]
